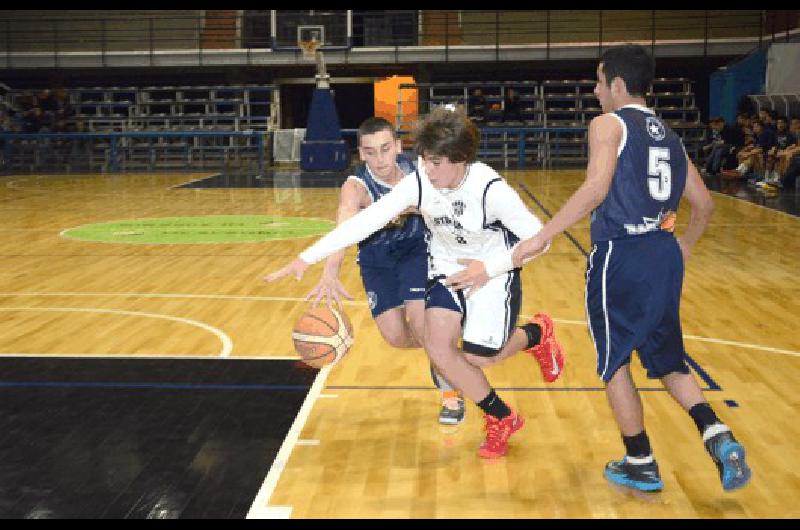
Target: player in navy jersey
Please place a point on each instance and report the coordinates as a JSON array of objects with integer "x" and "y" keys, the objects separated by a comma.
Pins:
[
  {"x": 637, "y": 172},
  {"x": 393, "y": 260}
]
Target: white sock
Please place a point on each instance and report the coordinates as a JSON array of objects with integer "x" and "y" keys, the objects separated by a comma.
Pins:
[
  {"x": 639, "y": 460},
  {"x": 713, "y": 430}
]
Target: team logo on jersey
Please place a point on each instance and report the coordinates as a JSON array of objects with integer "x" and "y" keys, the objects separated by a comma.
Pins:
[
  {"x": 458, "y": 207},
  {"x": 655, "y": 129},
  {"x": 372, "y": 299}
]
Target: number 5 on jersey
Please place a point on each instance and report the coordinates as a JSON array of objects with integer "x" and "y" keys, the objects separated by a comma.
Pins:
[{"x": 660, "y": 173}]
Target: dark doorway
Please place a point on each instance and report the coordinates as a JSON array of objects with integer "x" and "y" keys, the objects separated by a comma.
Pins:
[{"x": 354, "y": 104}]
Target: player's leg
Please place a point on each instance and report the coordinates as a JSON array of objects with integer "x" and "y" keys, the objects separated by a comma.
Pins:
[
  {"x": 616, "y": 294},
  {"x": 411, "y": 279},
  {"x": 443, "y": 328},
  {"x": 492, "y": 312},
  {"x": 453, "y": 409},
  {"x": 395, "y": 329},
  {"x": 536, "y": 337},
  {"x": 663, "y": 354}
]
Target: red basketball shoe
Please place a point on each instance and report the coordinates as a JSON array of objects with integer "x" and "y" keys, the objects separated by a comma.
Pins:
[
  {"x": 548, "y": 353},
  {"x": 497, "y": 434}
]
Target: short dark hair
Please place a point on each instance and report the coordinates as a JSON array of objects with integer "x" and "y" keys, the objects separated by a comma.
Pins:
[
  {"x": 373, "y": 125},
  {"x": 717, "y": 119},
  {"x": 782, "y": 118},
  {"x": 756, "y": 121},
  {"x": 448, "y": 133},
  {"x": 632, "y": 64}
]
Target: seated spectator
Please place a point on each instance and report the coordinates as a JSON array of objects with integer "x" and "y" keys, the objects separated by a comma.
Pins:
[
  {"x": 512, "y": 106},
  {"x": 788, "y": 160},
  {"x": 743, "y": 123},
  {"x": 49, "y": 106},
  {"x": 751, "y": 158},
  {"x": 777, "y": 159},
  {"x": 477, "y": 106},
  {"x": 724, "y": 141}
]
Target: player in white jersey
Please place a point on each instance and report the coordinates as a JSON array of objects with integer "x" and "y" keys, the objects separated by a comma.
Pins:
[
  {"x": 393, "y": 261},
  {"x": 474, "y": 294}
]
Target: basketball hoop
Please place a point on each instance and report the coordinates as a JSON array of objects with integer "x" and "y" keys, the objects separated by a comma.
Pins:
[
  {"x": 309, "y": 48},
  {"x": 311, "y": 52}
]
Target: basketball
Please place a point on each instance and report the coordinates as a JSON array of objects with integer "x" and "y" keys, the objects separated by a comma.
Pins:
[{"x": 322, "y": 336}]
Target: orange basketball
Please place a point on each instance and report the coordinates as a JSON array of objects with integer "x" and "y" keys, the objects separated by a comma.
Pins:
[{"x": 322, "y": 336}]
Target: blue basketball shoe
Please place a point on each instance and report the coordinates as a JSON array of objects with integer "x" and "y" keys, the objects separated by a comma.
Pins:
[
  {"x": 728, "y": 455},
  {"x": 643, "y": 477}
]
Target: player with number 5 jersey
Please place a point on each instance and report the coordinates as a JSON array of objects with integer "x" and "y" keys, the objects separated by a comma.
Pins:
[{"x": 638, "y": 171}]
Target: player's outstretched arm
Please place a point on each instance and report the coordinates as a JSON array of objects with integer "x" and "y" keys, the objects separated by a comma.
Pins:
[
  {"x": 605, "y": 135},
  {"x": 355, "y": 229},
  {"x": 352, "y": 199}
]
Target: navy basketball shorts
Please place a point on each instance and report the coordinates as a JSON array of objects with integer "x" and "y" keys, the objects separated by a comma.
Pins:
[
  {"x": 633, "y": 291},
  {"x": 488, "y": 316},
  {"x": 390, "y": 285}
]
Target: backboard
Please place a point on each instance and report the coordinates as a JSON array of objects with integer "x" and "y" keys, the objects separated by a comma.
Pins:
[{"x": 332, "y": 28}]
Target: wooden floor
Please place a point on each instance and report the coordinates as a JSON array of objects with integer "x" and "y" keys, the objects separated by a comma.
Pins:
[{"x": 367, "y": 443}]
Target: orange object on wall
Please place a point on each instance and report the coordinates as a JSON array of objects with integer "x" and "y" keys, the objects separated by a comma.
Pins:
[{"x": 387, "y": 91}]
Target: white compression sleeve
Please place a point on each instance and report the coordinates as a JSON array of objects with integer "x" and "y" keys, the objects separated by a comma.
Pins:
[{"x": 365, "y": 222}]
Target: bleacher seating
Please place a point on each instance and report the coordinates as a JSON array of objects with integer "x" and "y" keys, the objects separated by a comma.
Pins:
[
  {"x": 784, "y": 104},
  {"x": 554, "y": 104}
]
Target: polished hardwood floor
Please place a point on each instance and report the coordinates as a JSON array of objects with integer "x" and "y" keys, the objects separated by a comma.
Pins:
[{"x": 367, "y": 443}]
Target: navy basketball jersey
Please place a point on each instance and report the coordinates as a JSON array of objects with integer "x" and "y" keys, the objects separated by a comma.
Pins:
[
  {"x": 404, "y": 235},
  {"x": 648, "y": 181}
]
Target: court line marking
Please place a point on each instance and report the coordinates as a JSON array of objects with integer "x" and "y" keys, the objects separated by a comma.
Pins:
[
  {"x": 157, "y": 356},
  {"x": 260, "y": 508},
  {"x": 712, "y": 340},
  {"x": 227, "y": 343}
]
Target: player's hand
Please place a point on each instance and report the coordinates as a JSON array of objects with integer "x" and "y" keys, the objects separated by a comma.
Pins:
[
  {"x": 473, "y": 277},
  {"x": 296, "y": 268},
  {"x": 330, "y": 288},
  {"x": 527, "y": 250}
]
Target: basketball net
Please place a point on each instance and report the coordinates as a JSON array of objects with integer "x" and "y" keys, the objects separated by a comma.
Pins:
[{"x": 312, "y": 52}]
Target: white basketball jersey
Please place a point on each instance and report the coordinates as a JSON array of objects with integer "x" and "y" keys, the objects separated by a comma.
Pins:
[{"x": 481, "y": 218}]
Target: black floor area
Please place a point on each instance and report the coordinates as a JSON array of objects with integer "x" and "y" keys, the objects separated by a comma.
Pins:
[
  {"x": 787, "y": 200},
  {"x": 149, "y": 438},
  {"x": 274, "y": 179}
]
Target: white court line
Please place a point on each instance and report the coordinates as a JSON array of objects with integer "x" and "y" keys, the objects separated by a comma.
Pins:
[
  {"x": 745, "y": 345},
  {"x": 158, "y": 356},
  {"x": 227, "y": 344},
  {"x": 260, "y": 508}
]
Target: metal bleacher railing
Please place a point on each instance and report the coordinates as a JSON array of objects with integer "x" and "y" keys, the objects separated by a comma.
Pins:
[
  {"x": 134, "y": 150},
  {"x": 109, "y": 32}
]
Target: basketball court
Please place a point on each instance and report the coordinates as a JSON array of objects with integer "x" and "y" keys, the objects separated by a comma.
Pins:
[{"x": 161, "y": 377}]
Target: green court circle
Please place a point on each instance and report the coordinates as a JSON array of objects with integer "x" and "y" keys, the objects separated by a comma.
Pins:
[{"x": 208, "y": 229}]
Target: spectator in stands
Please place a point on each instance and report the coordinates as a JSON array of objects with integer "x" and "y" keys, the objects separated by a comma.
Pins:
[
  {"x": 29, "y": 114},
  {"x": 768, "y": 118},
  {"x": 751, "y": 158},
  {"x": 776, "y": 156},
  {"x": 743, "y": 123},
  {"x": 512, "y": 106},
  {"x": 49, "y": 106},
  {"x": 477, "y": 106},
  {"x": 788, "y": 159},
  {"x": 723, "y": 142}
]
